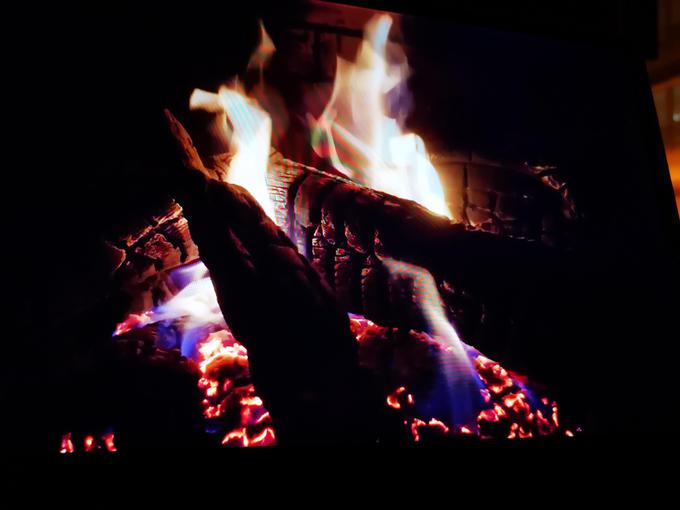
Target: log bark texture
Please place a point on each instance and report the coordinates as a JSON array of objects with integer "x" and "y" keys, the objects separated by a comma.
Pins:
[{"x": 303, "y": 357}]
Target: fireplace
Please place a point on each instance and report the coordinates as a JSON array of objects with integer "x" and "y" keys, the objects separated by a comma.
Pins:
[{"x": 348, "y": 226}]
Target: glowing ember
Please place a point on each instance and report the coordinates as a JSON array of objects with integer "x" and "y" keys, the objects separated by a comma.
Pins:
[
  {"x": 230, "y": 404},
  {"x": 91, "y": 443},
  {"x": 392, "y": 398},
  {"x": 66, "y": 444},
  {"x": 434, "y": 423},
  {"x": 444, "y": 388},
  {"x": 409, "y": 360},
  {"x": 109, "y": 443},
  {"x": 508, "y": 409},
  {"x": 234, "y": 411},
  {"x": 133, "y": 321}
]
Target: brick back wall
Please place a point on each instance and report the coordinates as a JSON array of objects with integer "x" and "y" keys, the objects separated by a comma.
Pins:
[
  {"x": 507, "y": 198},
  {"x": 504, "y": 198}
]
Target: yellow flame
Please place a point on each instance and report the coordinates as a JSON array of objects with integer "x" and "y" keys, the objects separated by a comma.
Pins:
[
  {"x": 364, "y": 142},
  {"x": 263, "y": 52},
  {"x": 246, "y": 127},
  {"x": 251, "y": 130}
]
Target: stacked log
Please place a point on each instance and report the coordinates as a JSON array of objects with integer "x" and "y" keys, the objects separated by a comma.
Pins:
[{"x": 302, "y": 355}]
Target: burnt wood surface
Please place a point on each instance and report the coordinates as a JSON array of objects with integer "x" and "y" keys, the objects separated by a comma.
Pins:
[{"x": 303, "y": 357}]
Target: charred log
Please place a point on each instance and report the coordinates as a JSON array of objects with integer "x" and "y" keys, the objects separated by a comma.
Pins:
[
  {"x": 303, "y": 357},
  {"x": 154, "y": 400},
  {"x": 346, "y": 229}
]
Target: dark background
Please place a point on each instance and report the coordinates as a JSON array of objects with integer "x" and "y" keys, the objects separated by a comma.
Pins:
[{"x": 94, "y": 80}]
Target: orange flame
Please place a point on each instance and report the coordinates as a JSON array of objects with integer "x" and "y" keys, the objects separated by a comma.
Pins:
[
  {"x": 361, "y": 139},
  {"x": 264, "y": 51},
  {"x": 246, "y": 127},
  {"x": 251, "y": 130}
]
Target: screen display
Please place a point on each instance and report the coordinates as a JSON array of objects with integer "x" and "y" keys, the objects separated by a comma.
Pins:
[{"x": 332, "y": 224}]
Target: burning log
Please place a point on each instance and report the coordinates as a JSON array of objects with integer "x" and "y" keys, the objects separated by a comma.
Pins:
[
  {"x": 303, "y": 357},
  {"x": 346, "y": 229}
]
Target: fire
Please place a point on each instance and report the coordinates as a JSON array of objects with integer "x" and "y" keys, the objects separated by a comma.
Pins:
[
  {"x": 367, "y": 143},
  {"x": 91, "y": 443},
  {"x": 133, "y": 321},
  {"x": 358, "y": 135},
  {"x": 196, "y": 304},
  {"x": 246, "y": 127},
  {"x": 393, "y": 398},
  {"x": 229, "y": 397},
  {"x": 233, "y": 410},
  {"x": 499, "y": 404},
  {"x": 462, "y": 380},
  {"x": 511, "y": 412},
  {"x": 364, "y": 141},
  {"x": 263, "y": 52}
]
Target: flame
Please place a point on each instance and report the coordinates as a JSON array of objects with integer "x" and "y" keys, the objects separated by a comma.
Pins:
[
  {"x": 463, "y": 382},
  {"x": 264, "y": 438},
  {"x": 435, "y": 423},
  {"x": 245, "y": 126},
  {"x": 229, "y": 400},
  {"x": 264, "y": 51},
  {"x": 133, "y": 321},
  {"x": 196, "y": 304},
  {"x": 251, "y": 130},
  {"x": 361, "y": 139},
  {"x": 366, "y": 142},
  {"x": 222, "y": 361},
  {"x": 495, "y": 403},
  {"x": 197, "y": 301},
  {"x": 511, "y": 411}
]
